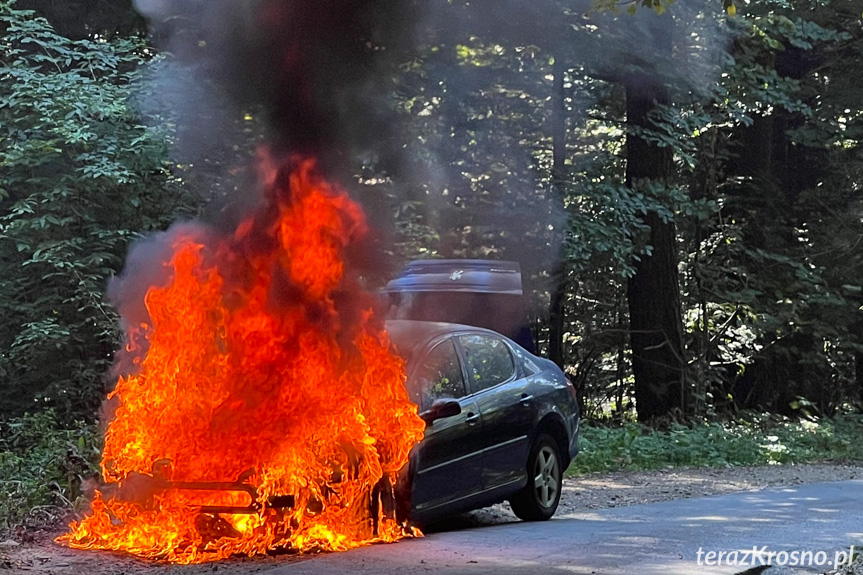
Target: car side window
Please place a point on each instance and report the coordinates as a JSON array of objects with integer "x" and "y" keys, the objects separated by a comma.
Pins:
[
  {"x": 439, "y": 375},
  {"x": 489, "y": 361}
]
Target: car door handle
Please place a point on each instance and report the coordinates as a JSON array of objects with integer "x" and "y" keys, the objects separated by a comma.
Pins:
[
  {"x": 471, "y": 418},
  {"x": 526, "y": 399}
]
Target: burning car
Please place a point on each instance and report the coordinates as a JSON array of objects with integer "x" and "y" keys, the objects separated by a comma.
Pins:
[
  {"x": 501, "y": 423},
  {"x": 261, "y": 405}
]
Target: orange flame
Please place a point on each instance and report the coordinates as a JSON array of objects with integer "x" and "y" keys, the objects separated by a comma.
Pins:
[{"x": 263, "y": 365}]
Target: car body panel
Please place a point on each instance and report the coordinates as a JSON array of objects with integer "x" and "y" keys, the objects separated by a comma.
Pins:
[
  {"x": 555, "y": 400},
  {"x": 449, "y": 465},
  {"x": 508, "y": 416}
]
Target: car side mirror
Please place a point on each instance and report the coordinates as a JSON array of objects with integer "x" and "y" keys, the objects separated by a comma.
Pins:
[{"x": 440, "y": 408}]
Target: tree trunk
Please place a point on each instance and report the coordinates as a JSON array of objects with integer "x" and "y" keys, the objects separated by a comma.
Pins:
[
  {"x": 655, "y": 325},
  {"x": 653, "y": 292},
  {"x": 557, "y": 324},
  {"x": 858, "y": 373}
]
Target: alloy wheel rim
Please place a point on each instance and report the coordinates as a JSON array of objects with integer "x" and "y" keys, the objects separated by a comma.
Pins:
[{"x": 546, "y": 475}]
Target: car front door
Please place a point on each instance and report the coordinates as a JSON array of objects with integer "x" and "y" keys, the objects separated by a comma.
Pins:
[
  {"x": 507, "y": 406},
  {"x": 448, "y": 463}
]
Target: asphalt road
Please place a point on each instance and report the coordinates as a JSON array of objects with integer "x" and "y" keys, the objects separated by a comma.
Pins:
[{"x": 660, "y": 538}]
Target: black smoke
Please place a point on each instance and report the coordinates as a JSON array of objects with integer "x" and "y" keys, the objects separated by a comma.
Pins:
[{"x": 314, "y": 69}]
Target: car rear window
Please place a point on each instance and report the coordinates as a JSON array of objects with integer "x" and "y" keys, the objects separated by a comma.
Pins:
[{"x": 489, "y": 361}]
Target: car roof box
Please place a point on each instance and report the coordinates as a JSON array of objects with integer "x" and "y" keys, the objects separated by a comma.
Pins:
[{"x": 474, "y": 276}]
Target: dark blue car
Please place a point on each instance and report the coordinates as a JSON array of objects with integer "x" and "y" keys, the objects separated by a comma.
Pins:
[{"x": 502, "y": 423}]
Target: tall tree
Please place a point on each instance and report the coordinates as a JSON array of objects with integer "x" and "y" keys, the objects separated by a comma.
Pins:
[{"x": 653, "y": 290}]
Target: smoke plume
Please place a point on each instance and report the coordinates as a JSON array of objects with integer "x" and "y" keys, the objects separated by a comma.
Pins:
[{"x": 312, "y": 68}]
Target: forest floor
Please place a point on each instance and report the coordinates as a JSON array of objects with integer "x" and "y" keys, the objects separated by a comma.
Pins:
[{"x": 37, "y": 552}]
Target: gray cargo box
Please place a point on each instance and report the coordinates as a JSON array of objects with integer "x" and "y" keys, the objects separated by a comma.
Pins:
[{"x": 484, "y": 293}]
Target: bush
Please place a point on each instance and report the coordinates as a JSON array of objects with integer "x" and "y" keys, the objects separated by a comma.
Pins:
[
  {"x": 42, "y": 468},
  {"x": 758, "y": 442}
]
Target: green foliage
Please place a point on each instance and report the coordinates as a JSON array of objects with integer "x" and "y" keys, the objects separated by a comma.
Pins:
[
  {"x": 43, "y": 467},
  {"x": 759, "y": 442},
  {"x": 82, "y": 174},
  {"x": 789, "y": 330}
]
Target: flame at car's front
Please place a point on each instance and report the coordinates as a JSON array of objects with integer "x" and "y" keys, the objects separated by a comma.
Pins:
[{"x": 261, "y": 380}]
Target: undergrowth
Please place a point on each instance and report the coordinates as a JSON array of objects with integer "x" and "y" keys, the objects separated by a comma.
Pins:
[
  {"x": 42, "y": 467},
  {"x": 758, "y": 442}
]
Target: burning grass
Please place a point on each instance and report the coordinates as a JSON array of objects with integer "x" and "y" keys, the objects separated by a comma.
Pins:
[{"x": 259, "y": 370}]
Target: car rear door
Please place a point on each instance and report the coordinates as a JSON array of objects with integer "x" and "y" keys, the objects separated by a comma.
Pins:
[
  {"x": 506, "y": 403},
  {"x": 448, "y": 463}
]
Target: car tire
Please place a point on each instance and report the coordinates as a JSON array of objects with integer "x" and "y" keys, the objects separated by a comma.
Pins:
[{"x": 539, "y": 499}]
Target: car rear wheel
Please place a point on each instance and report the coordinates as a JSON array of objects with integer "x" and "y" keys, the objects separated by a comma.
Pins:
[{"x": 539, "y": 499}]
